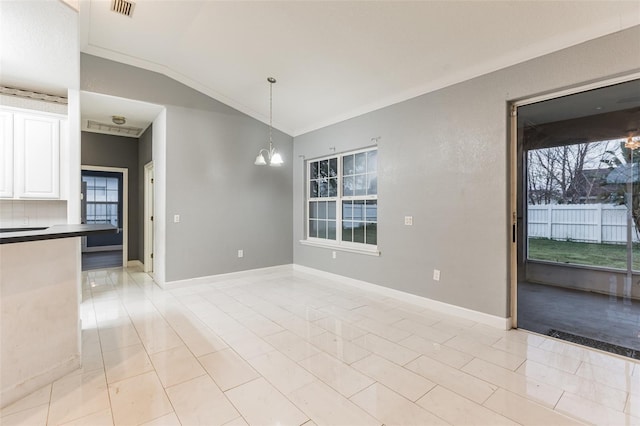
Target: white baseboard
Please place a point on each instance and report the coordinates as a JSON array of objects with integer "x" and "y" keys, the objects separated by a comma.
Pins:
[
  {"x": 101, "y": 248},
  {"x": 446, "y": 308},
  {"x": 34, "y": 383},
  {"x": 226, "y": 276},
  {"x": 132, "y": 263}
]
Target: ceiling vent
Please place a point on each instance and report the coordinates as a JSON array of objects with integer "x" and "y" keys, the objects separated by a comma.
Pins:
[
  {"x": 110, "y": 128},
  {"x": 123, "y": 7}
]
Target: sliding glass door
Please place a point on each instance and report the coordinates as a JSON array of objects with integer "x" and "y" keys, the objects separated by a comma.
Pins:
[{"x": 579, "y": 210}]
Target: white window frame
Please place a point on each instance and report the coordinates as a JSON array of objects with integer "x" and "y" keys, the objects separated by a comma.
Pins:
[{"x": 337, "y": 244}]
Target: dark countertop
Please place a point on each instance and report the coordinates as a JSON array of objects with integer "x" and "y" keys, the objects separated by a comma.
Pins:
[{"x": 53, "y": 232}]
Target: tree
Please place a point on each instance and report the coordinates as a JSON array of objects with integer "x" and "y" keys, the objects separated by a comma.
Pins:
[
  {"x": 623, "y": 179},
  {"x": 555, "y": 175}
]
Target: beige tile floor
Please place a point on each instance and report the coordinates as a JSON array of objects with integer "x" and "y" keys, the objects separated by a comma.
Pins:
[{"x": 284, "y": 347}]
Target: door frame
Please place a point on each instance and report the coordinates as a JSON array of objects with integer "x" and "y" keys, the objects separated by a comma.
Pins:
[
  {"x": 148, "y": 217},
  {"x": 125, "y": 203},
  {"x": 513, "y": 175}
]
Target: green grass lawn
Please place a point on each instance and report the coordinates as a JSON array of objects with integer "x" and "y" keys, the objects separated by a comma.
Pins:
[{"x": 592, "y": 254}]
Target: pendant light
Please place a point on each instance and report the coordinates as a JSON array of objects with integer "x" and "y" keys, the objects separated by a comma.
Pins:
[{"x": 273, "y": 158}]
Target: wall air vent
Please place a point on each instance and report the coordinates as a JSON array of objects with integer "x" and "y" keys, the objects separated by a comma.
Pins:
[
  {"x": 123, "y": 7},
  {"x": 113, "y": 129}
]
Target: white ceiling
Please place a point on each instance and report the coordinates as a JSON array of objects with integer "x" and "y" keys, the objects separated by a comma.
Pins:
[
  {"x": 335, "y": 60},
  {"x": 101, "y": 108},
  {"x": 39, "y": 46}
]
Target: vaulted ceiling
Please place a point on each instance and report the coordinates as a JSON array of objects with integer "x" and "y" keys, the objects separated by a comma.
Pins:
[{"x": 333, "y": 60}]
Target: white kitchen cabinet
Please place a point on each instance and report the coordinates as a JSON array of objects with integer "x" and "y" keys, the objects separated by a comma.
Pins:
[
  {"x": 30, "y": 155},
  {"x": 6, "y": 154}
]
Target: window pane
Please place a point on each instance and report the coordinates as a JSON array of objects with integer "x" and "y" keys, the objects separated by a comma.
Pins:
[
  {"x": 372, "y": 184},
  {"x": 371, "y": 233},
  {"x": 361, "y": 162},
  {"x": 322, "y": 210},
  {"x": 347, "y": 231},
  {"x": 331, "y": 210},
  {"x": 322, "y": 229},
  {"x": 91, "y": 194},
  {"x": 347, "y": 210},
  {"x": 371, "y": 214},
  {"x": 313, "y": 228},
  {"x": 112, "y": 183},
  {"x": 333, "y": 167},
  {"x": 358, "y": 232},
  {"x": 347, "y": 186},
  {"x": 347, "y": 165},
  {"x": 313, "y": 170},
  {"x": 112, "y": 196},
  {"x": 313, "y": 210},
  {"x": 372, "y": 161},
  {"x": 361, "y": 185},
  {"x": 333, "y": 187},
  {"x": 323, "y": 188},
  {"x": 324, "y": 168},
  {"x": 331, "y": 229},
  {"x": 313, "y": 189},
  {"x": 358, "y": 210}
]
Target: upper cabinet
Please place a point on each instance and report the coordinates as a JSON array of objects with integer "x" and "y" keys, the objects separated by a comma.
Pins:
[
  {"x": 32, "y": 142},
  {"x": 6, "y": 154}
]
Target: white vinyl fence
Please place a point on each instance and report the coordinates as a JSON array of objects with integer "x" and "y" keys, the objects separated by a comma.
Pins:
[{"x": 593, "y": 223}]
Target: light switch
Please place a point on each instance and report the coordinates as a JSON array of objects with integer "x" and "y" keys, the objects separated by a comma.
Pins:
[
  {"x": 408, "y": 220},
  {"x": 176, "y": 218}
]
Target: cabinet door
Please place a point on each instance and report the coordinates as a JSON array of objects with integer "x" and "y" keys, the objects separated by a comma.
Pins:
[
  {"x": 37, "y": 153},
  {"x": 6, "y": 154}
]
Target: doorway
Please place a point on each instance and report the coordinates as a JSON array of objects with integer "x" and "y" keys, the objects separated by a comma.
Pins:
[
  {"x": 576, "y": 216},
  {"x": 104, "y": 201}
]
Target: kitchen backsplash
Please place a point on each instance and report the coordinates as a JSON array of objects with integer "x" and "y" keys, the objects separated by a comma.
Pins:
[{"x": 18, "y": 213}]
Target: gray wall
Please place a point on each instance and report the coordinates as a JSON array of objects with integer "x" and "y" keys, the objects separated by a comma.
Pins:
[
  {"x": 443, "y": 159},
  {"x": 225, "y": 202},
  {"x": 117, "y": 151},
  {"x": 144, "y": 156}
]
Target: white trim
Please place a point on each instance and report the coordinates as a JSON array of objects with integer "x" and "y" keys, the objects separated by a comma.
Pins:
[
  {"x": 338, "y": 247},
  {"x": 221, "y": 277},
  {"x": 133, "y": 263},
  {"x": 577, "y": 89},
  {"x": 125, "y": 203},
  {"x": 148, "y": 213},
  {"x": 481, "y": 317}
]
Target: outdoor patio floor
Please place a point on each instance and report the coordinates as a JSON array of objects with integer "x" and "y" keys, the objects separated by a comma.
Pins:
[{"x": 609, "y": 319}]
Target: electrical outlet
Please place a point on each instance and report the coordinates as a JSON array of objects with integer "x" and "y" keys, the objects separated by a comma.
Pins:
[
  {"x": 240, "y": 253},
  {"x": 436, "y": 274},
  {"x": 333, "y": 254},
  {"x": 176, "y": 218},
  {"x": 408, "y": 220}
]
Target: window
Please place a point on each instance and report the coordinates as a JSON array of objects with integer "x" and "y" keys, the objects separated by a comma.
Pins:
[
  {"x": 342, "y": 199},
  {"x": 102, "y": 199}
]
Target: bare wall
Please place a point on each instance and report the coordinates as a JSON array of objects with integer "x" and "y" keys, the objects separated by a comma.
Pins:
[
  {"x": 443, "y": 159},
  {"x": 117, "y": 151},
  {"x": 224, "y": 201}
]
